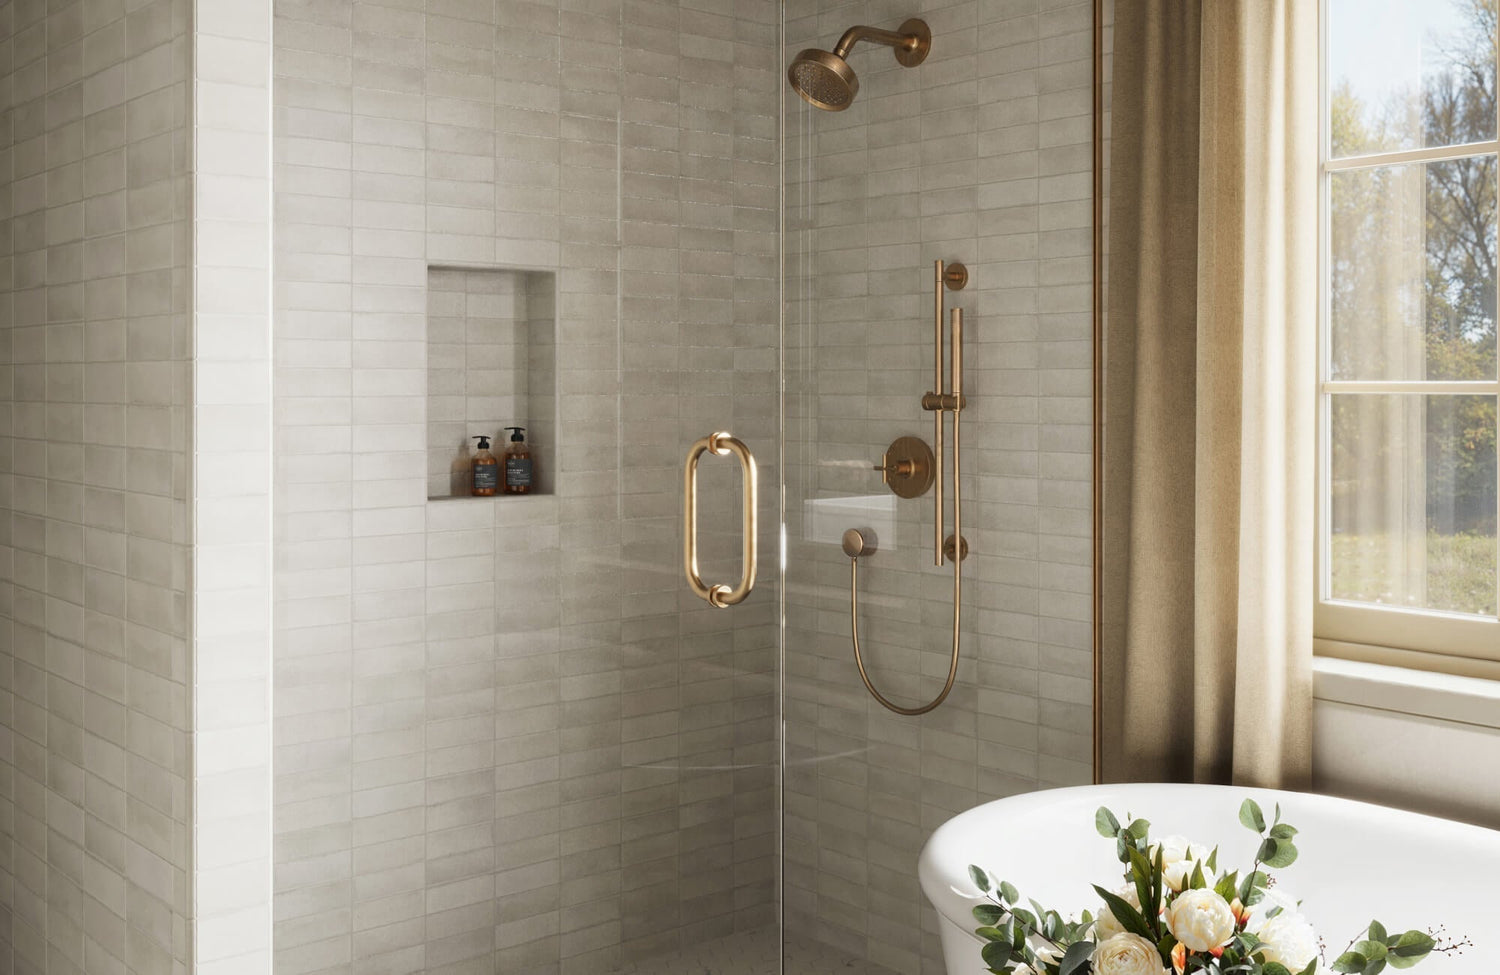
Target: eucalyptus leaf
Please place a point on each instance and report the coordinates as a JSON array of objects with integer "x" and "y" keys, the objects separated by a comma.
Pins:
[
  {"x": 1284, "y": 856},
  {"x": 988, "y": 913},
  {"x": 1377, "y": 931},
  {"x": 1283, "y": 831},
  {"x": 1373, "y": 950},
  {"x": 1252, "y": 817},
  {"x": 1350, "y": 961},
  {"x": 1409, "y": 948},
  {"x": 1274, "y": 968},
  {"x": 980, "y": 877},
  {"x": 1413, "y": 944},
  {"x": 1106, "y": 823},
  {"x": 1140, "y": 828},
  {"x": 1008, "y": 892},
  {"x": 1075, "y": 958},
  {"x": 1250, "y": 888},
  {"x": 997, "y": 955},
  {"x": 992, "y": 934}
]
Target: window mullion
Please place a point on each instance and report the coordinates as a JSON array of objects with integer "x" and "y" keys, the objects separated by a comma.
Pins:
[
  {"x": 1375, "y": 160},
  {"x": 1414, "y": 387}
]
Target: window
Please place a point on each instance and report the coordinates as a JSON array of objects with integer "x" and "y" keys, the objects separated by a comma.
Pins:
[{"x": 1407, "y": 553}]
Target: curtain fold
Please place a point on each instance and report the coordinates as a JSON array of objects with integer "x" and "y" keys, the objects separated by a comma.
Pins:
[{"x": 1210, "y": 415}]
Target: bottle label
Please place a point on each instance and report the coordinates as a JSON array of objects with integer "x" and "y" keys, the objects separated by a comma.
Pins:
[
  {"x": 518, "y": 472},
  {"x": 486, "y": 477}
]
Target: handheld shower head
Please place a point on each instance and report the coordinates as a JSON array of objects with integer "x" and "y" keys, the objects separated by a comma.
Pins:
[{"x": 824, "y": 78}]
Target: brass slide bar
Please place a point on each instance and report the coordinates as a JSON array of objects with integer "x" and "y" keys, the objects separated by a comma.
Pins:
[
  {"x": 953, "y": 547},
  {"x": 721, "y": 596}
]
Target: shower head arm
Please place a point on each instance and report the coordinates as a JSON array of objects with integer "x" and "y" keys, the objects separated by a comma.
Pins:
[{"x": 901, "y": 42}]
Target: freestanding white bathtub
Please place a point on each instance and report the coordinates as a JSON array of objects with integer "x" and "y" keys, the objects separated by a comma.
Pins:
[{"x": 1357, "y": 862}]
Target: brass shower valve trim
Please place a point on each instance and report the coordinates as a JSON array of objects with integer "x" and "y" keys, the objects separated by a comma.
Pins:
[{"x": 907, "y": 468}]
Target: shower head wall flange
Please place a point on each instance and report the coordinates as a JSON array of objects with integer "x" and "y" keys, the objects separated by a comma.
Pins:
[{"x": 825, "y": 80}]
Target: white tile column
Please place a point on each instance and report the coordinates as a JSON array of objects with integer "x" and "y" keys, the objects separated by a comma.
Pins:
[{"x": 232, "y": 487}]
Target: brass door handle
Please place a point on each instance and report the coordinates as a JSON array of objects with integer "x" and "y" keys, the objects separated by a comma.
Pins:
[{"x": 720, "y": 596}]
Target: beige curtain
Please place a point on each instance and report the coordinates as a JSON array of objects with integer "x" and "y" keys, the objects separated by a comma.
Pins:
[{"x": 1210, "y": 392}]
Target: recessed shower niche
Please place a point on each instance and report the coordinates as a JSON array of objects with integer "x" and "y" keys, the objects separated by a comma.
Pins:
[{"x": 491, "y": 364}]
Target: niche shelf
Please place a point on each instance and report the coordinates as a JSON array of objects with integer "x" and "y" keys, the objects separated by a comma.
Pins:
[{"x": 491, "y": 364}]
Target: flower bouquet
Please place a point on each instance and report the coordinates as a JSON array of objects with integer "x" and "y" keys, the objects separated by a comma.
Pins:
[{"x": 1178, "y": 910}]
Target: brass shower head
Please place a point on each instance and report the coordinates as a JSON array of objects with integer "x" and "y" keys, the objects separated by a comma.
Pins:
[{"x": 824, "y": 78}]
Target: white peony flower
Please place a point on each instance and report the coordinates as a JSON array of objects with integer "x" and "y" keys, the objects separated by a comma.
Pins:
[
  {"x": 1201, "y": 920},
  {"x": 1173, "y": 848},
  {"x": 1106, "y": 925},
  {"x": 1127, "y": 954},
  {"x": 1289, "y": 939},
  {"x": 1179, "y": 856}
]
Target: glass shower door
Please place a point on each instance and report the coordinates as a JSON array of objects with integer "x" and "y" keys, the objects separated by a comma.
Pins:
[{"x": 980, "y": 154}]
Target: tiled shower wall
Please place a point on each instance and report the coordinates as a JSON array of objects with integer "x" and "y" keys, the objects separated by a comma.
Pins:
[
  {"x": 94, "y": 480},
  {"x": 982, "y": 155},
  {"x": 507, "y": 738}
]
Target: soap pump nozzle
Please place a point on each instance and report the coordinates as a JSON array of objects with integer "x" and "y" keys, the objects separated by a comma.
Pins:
[
  {"x": 484, "y": 441},
  {"x": 519, "y": 435}
]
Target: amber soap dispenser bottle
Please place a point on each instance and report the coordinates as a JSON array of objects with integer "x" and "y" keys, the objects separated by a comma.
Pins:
[
  {"x": 484, "y": 472},
  {"x": 517, "y": 463}
]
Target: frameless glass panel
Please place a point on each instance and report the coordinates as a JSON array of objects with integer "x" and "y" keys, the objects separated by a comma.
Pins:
[
  {"x": 1412, "y": 271},
  {"x": 1408, "y": 74},
  {"x": 1412, "y": 512}
]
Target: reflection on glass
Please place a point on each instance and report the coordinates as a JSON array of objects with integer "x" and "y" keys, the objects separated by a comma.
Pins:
[
  {"x": 1412, "y": 271},
  {"x": 1408, "y": 74},
  {"x": 1412, "y": 517}
]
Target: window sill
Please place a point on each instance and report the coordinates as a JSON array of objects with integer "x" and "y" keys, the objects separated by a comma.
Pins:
[{"x": 1446, "y": 697}]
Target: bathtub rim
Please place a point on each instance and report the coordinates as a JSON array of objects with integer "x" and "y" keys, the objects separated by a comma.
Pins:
[{"x": 953, "y": 836}]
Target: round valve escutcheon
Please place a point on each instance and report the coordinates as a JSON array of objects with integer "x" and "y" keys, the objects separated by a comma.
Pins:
[{"x": 907, "y": 468}]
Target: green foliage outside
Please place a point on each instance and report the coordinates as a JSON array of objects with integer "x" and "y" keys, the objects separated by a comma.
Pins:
[
  {"x": 1413, "y": 296},
  {"x": 1460, "y": 574}
]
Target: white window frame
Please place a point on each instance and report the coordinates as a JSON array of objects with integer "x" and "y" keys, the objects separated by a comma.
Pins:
[{"x": 1422, "y": 639}]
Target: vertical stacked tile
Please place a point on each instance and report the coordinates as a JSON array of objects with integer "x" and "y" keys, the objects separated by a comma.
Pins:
[
  {"x": 321, "y": 687},
  {"x": 8, "y": 859},
  {"x": 231, "y": 492},
  {"x": 584, "y": 686},
  {"x": 503, "y": 781},
  {"x": 97, "y": 529},
  {"x": 982, "y": 154}
]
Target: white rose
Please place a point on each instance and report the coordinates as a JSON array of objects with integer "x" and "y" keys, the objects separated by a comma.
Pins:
[
  {"x": 1106, "y": 925},
  {"x": 1201, "y": 920},
  {"x": 1288, "y": 939},
  {"x": 1127, "y": 954}
]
